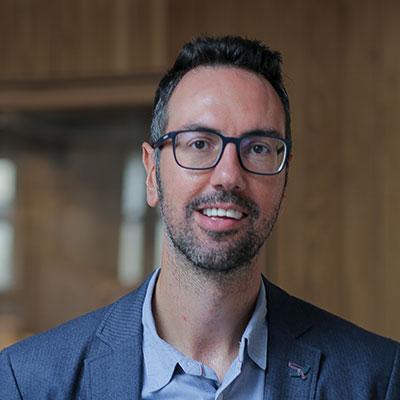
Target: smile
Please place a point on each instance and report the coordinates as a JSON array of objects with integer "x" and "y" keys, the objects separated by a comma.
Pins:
[{"x": 221, "y": 212}]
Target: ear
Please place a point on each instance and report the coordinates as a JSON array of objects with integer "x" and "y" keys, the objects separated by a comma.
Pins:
[{"x": 151, "y": 181}]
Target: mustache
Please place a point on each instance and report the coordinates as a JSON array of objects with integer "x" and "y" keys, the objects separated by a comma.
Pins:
[{"x": 247, "y": 205}]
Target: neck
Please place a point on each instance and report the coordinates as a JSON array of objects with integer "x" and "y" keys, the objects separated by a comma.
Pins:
[{"x": 204, "y": 315}]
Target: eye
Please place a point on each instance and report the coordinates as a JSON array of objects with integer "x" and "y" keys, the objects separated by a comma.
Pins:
[
  {"x": 199, "y": 144},
  {"x": 259, "y": 148}
]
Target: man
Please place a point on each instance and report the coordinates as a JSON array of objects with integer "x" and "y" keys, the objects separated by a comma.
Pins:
[{"x": 207, "y": 325}]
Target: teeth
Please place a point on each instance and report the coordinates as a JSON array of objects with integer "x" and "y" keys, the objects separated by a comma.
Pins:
[
  {"x": 234, "y": 214},
  {"x": 220, "y": 212}
]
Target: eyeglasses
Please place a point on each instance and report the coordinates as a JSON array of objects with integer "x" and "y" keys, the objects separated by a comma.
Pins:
[{"x": 259, "y": 152}]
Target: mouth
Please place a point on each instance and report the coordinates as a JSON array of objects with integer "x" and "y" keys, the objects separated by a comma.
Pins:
[{"x": 223, "y": 213}]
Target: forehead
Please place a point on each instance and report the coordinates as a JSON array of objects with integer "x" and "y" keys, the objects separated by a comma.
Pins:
[{"x": 225, "y": 98}]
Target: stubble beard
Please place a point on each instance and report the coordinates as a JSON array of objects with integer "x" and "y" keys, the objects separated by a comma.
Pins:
[{"x": 221, "y": 253}]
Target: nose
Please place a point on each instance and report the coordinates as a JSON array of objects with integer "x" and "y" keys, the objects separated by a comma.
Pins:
[{"x": 228, "y": 174}]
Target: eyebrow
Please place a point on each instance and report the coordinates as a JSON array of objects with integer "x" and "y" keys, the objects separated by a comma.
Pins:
[
  {"x": 199, "y": 127},
  {"x": 263, "y": 132}
]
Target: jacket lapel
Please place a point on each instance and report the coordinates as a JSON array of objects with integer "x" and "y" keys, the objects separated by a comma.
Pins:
[
  {"x": 292, "y": 367},
  {"x": 117, "y": 375},
  {"x": 114, "y": 368}
]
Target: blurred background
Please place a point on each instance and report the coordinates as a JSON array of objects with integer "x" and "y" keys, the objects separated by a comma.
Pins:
[{"x": 77, "y": 79}]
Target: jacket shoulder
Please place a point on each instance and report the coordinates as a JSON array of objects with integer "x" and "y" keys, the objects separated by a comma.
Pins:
[
  {"x": 56, "y": 358},
  {"x": 78, "y": 332},
  {"x": 38, "y": 362},
  {"x": 348, "y": 352}
]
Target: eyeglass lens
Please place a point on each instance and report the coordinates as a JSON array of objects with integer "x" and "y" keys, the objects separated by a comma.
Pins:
[{"x": 201, "y": 150}]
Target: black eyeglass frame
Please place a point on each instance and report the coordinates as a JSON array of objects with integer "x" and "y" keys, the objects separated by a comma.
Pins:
[{"x": 225, "y": 140}]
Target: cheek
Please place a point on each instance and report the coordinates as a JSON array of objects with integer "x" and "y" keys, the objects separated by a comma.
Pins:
[
  {"x": 180, "y": 190},
  {"x": 270, "y": 194},
  {"x": 179, "y": 185}
]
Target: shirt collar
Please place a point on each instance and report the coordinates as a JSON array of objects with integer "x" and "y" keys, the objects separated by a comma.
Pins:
[
  {"x": 255, "y": 336},
  {"x": 161, "y": 359}
]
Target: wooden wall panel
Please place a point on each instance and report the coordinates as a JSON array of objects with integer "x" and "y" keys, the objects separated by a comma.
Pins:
[
  {"x": 70, "y": 232},
  {"x": 70, "y": 169},
  {"x": 309, "y": 232},
  {"x": 388, "y": 136},
  {"x": 361, "y": 160},
  {"x": 189, "y": 18},
  {"x": 134, "y": 90},
  {"x": 70, "y": 38}
]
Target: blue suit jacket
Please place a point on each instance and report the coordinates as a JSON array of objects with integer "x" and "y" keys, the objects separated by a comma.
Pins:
[{"x": 99, "y": 356}]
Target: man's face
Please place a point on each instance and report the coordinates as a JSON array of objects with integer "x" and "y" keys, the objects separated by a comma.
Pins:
[{"x": 234, "y": 102}]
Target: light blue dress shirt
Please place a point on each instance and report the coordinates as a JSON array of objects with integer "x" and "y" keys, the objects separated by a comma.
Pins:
[{"x": 169, "y": 374}]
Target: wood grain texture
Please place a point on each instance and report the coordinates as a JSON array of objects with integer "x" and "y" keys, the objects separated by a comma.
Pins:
[
  {"x": 54, "y": 94},
  {"x": 73, "y": 38},
  {"x": 361, "y": 160},
  {"x": 389, "y": 138},
  {"x": 71, "y": 235}
]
